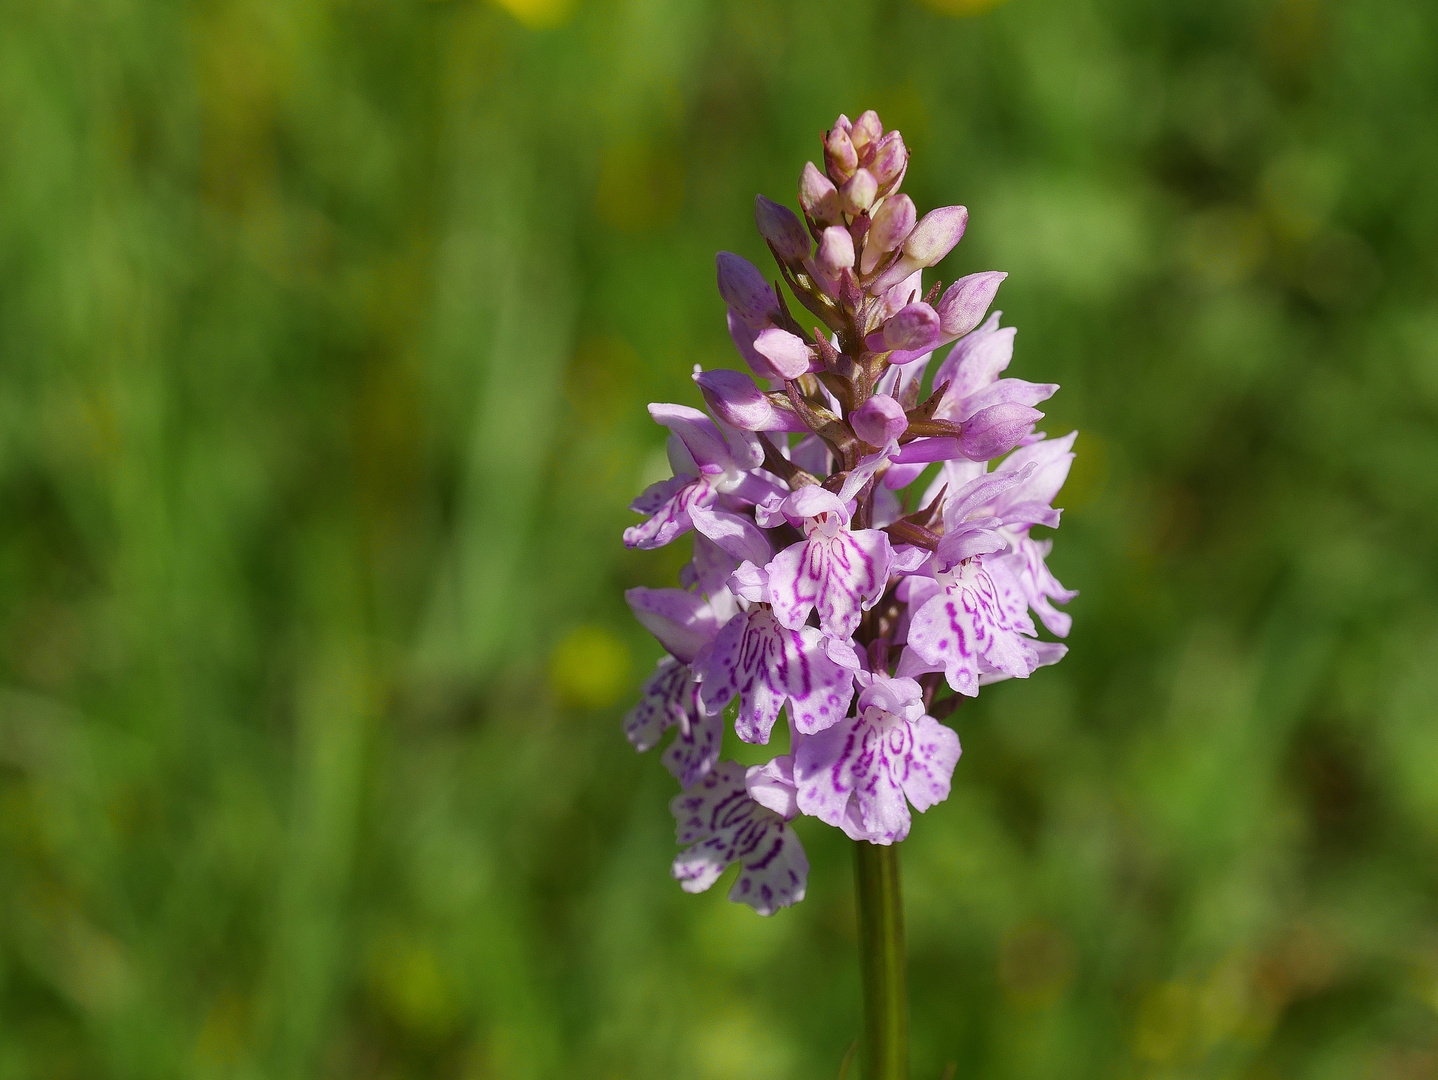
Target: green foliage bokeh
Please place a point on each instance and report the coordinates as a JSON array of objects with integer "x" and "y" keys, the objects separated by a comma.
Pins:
[{"x": 326, "y": 330}]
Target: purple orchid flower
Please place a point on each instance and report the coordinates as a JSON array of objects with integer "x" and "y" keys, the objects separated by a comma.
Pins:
[
  {"x": 685, "y": 623},
  {"x": 768, "y": 665},
  {"x": 725, "y": 825},
  {"x": 708, "y": 463},
  {"x": 862, "y": 775},
  {"x": 839, "y": 572},
  {"x": 1042, "y": 468},
  {"x": 670, "y": 698}
]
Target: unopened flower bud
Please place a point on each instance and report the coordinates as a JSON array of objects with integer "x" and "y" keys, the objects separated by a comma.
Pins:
[
  {"x": 857, "y": 193},
  {"x": 818, "y": 195},
  {"x": 994, "y": 431},
  {"x": 935, "y": 236},
  {"x": 743, "y": 336},
  {"x": 879, "y": 420},
  {"x": 836, "y": 250},
  {"x": 929, "y": 241},
  {"x": 843, "y": 122},
  {"x": 866, "y": 130},
  {"x": 744, "y": 289},
  {"x": 915, "y": 326},
  {"x": 786, "y": 353},
  {"x": 839, "y": 155},
  {"x": 737, "y": 400},
  {"x": 966, "y": 301},
  {"x": 782, "y": 228},
  {"x": 892, "y": 223},
  {"x": 890, "y": 157}
]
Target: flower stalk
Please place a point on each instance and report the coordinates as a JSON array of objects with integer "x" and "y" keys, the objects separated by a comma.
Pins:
[{"x": 881, "y": 961}]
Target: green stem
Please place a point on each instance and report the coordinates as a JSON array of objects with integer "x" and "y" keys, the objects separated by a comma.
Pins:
[{"x": 881, "y": 960}]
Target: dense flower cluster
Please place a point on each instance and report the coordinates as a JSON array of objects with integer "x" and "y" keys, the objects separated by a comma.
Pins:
[{"x": 824, "y": 577}]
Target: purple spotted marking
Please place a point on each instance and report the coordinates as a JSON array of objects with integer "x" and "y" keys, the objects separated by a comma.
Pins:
[
  {"x": 968, "y": 623},
  {"x": 863, "y": 774},
  {"x": 839, "y": 572},
  {"x": 671, "y": 699},
  {"x": 766, "y": 665},
  {"x": 723, "y": 825}
]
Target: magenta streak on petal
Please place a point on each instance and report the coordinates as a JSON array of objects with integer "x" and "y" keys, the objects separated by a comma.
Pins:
[
  {"x": 724, "y": 825},
  {"x": 664, "y": 702},
  {"x": 672, "y": 519},
  {"x": 967, "y": 621},
  {"x": 657, "y": 494},
  {"x": 834, "y": 573},
  {"x": 862, "y": 774}
]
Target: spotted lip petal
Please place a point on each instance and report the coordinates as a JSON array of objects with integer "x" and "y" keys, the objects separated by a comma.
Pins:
[
  {"x": 839, "y": 573},
  {"x": 724, "y": 825},
  {"x": 966, "y": 623},
  {"x": 863, "y": 774},
  {"x": 767, "y": 665},
  {"x": 670, "y": 698}
]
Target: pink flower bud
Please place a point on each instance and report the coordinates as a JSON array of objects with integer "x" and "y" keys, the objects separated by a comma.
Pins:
[
  {"x": 836, "y": 250},
  {"x": 843, "y": 122},
  {"x": 743, "y": 336},
  {"x": 782, "y": 228},
  {"x": 818, "y": 195},
  {"x": 744, "y": 289},
  {"x": 839, "y": 155},
  {"x": 857, "y": 193},
  {"x": 893, "y": 221},
  {"x": 737, "y": 400},
  {"x": 787, "y": 354},
  {"x": 935, "y": 235},
  {"x": 890, "y": 157},
  {"x": 866, "y": 130},
  {"x": 966, "y": 301},
  {"x": 879, "y": 420},
  {"x": 994, "y": 431},
  {"x": 915, "y": 326}
]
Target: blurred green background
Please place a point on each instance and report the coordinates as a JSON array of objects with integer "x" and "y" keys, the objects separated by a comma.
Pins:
[{"x": 326, "y": 330}]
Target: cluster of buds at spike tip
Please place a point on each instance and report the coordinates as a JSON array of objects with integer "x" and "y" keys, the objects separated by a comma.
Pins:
[{"x": 861, "y": 526}]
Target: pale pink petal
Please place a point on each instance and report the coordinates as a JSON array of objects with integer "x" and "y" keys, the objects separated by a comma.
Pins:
[
  {"x": 929, "y": 769},
  {"x": 682, "y": 621},
  {"x": 700, "y": 435},
  {"x": 671, "y": 520},
  {"x": 736, "y": 534},
  {"x": 765, "y": 665},
  {"x": 771, "y": 785}
]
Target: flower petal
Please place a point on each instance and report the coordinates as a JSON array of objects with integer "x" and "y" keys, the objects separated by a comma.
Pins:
[
  {"x": 682, "y": 621},
  {"x": 724, "y": 825},
  {"x": 735, "y": 534}
]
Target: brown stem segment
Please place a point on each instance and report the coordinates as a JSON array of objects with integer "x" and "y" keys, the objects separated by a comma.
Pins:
[{"x": 881, "y": 961}]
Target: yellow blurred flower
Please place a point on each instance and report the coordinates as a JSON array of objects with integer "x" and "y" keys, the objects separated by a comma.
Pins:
[
  {"x": 539, "y": 14},
  {"x": 589, "y": 668},
  {"x": 961, "y": 8}
]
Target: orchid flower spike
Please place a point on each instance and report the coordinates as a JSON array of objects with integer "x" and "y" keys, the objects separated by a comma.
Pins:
[{"x": 861, "y": 518}]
